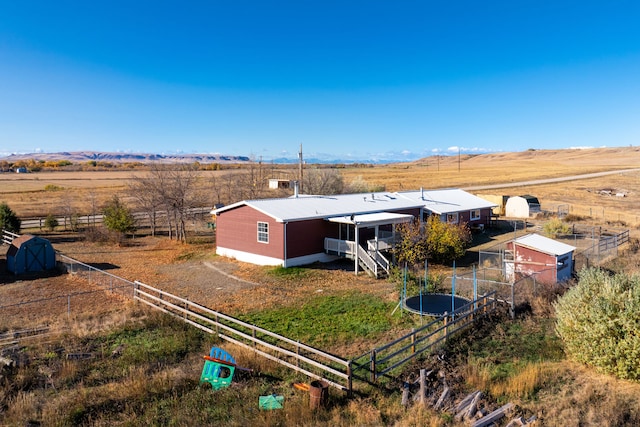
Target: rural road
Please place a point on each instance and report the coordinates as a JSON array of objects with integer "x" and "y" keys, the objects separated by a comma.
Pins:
[{"x": 550, "y": 180}]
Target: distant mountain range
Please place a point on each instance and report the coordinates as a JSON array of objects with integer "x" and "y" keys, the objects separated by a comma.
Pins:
[
  {"x": 117, "y": 157},
  {"x": 86, "y": 156}
]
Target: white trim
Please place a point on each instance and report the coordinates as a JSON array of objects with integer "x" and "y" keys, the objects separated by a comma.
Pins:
[
  {"x": 264, "y": 233},
  {"x": 248, "y": 257},
  {"x": 475, "y": 218},
  {"x": 447, "y": 215},
  {"x": 265, "y": 260},
  {"x": 310, "y": 259}
]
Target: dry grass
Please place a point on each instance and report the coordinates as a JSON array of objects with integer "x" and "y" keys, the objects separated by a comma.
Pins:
[
  {"x": 559, "y": 392},
  {"x": 447, "y": 172}
]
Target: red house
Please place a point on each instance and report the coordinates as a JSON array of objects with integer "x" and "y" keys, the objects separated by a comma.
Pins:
[
  {"x": 304, "y": 229},
  {"x": 453, "y": 205}
]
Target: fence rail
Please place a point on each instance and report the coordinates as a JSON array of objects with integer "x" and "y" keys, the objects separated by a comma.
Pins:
[
  {"x": 7, "y": 236},
  {"x": 300, "y": 357},
  {"x": 381, "y": 361}
]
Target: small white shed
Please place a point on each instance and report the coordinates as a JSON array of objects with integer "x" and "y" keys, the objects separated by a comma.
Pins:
[{"x": 517, "y": 207}]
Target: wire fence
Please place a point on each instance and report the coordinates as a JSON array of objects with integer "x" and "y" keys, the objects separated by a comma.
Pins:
[
  {"x": 95, "y": 276},
  {"x": 100, "y": 286}
]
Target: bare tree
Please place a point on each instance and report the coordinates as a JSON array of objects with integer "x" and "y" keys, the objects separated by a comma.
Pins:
[
  {"x": 147, "y": 197},
  {"x": 323, "y": 181},
  {"x": 69, "y": 211},
  {"x": 170, "y": 190}
]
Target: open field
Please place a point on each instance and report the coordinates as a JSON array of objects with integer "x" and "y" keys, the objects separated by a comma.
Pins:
[
  {"x": 38, "y": 194},
  {"x": 488, "y": 169},
  {"x": 155, "y": 380}
]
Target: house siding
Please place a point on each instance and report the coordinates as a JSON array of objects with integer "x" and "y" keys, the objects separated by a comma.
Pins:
[
  {"x": 307, "y": 237},
  {"x": 238, "y": 230}
]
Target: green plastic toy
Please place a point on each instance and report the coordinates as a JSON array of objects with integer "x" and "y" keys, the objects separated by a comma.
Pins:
[{"x": 218, "y": 368}]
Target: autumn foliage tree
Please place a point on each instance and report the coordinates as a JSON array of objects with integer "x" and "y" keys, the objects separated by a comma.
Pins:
[{"x": 433, "y": 240}]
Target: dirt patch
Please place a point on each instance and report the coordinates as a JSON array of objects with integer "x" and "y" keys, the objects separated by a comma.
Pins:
[{"x": 189, "y": 271}]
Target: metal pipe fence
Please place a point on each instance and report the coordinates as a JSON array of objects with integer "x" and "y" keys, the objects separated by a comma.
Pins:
[{"x": 383, "y": 360}]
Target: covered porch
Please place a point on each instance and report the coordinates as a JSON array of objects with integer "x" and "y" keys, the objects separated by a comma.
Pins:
[{"x": 364, "y": 237}]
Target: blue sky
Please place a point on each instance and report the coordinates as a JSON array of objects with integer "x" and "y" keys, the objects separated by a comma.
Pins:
[{"x": 361, "y": 80}]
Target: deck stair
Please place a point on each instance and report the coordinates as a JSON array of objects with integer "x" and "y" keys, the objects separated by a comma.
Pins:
[{"x": 370, "y": 259}]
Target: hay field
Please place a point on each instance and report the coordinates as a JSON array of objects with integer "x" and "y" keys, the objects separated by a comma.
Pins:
[
  {"x": 41, "y": 193},
  {"x": 38, "y": 194},
  {"x": 485, "y": 169}
]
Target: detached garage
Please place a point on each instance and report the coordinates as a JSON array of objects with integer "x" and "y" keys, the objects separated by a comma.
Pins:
[{"x": 28, "y": 254}]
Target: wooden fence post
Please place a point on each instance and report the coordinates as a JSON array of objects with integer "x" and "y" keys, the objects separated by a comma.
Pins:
[
  {"x": 446, "y": 326},
  {"x": 349, "y": 379},
  {"x": 413, "y": 340},
  {"x": 423, "y": 387},
  {"x": 372, "y": 365}
]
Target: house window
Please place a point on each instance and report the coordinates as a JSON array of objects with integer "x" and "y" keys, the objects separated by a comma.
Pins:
[
  {"x": 475, "y": 214},
  {"x": 263, "y": 232},
  {"x": 452, "y": 218}
]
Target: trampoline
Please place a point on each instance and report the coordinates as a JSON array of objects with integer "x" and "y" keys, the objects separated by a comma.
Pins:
[{"x": 434, "y": 304}]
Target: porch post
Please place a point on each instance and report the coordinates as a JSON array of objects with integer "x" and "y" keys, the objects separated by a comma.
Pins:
[
  {"x": 356, "y": 248},
  {"x": 377, "y": 231}
]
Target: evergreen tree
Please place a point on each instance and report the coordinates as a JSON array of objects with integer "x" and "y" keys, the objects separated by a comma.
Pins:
[
  {"x": 117, "y": 217},
  {"x": 8, "y": 219}
]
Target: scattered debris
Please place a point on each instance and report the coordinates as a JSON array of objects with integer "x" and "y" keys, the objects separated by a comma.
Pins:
[
  {"x": 301, "y": 386},
  {"x": 79, "y": 356},
  {"x": 117, "y": 352},
  {"x": 472, "y": 409},
  {"x": 271, "y": 401},
  {"x": 494, "y": 416}
]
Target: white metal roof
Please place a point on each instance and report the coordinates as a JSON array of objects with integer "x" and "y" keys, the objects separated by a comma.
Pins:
[
  {"x": 310, "y": 207},
  {"x": 373, "y": 219},
  {"x": 447, "y": 200},
  {"x": 544, "y": 244}
]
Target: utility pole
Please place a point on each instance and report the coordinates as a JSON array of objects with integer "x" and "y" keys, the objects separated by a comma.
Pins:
[
  {"x": 458, "y": 159},
  {"x": 300, "y": 168}
]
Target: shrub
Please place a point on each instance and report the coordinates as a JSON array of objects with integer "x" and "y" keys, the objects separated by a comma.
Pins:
[
  {"x": 574, "y": 218},
  {"x": 598, "y": 321},
  {"x": 117, "y": 217},
  {"x": 555, "y": 226},
  {"x": 50, "y": 222}
]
